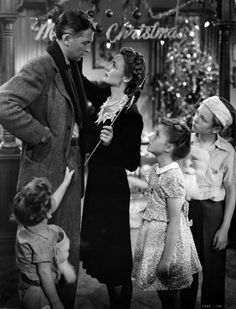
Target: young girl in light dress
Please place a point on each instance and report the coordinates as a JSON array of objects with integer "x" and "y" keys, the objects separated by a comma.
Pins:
[{"x": 165, "y": 256}]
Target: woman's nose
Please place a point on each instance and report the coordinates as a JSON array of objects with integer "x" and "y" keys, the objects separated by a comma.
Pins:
[{"x": 150, "y": 136}]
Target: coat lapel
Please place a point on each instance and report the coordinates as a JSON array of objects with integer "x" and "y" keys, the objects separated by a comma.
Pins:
[
  {"x": 60, "y": 86},
  {"x": 59, "y": 82}
]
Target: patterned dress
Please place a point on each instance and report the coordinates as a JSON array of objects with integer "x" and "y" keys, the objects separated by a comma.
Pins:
[{"x": 166, "y": 182}]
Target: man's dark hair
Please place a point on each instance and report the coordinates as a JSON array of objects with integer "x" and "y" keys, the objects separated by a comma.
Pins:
[{"x": 74, "y": 22}]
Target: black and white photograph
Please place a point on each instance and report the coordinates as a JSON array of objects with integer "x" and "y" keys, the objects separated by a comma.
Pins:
[{"x": 117, "y": 154}]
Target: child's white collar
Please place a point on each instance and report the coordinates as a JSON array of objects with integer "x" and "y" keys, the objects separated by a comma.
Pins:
[{"x": 160, "y": 170}]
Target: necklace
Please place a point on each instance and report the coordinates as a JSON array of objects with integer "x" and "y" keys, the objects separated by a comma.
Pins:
[
  {"x": 109, "y": 102},
  {"x": 108, "y": 110}
]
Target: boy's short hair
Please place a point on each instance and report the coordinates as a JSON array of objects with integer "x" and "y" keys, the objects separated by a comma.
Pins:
[{"x": 32, "y": 203}]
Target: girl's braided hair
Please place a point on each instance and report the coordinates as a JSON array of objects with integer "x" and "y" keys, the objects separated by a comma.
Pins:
[
  {"x": 179, "y": 135},
  {"x": 32, "y": 203},
  {"x": 135, "y": 67}
]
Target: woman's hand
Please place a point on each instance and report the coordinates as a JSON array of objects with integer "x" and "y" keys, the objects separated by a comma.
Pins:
[
  {"x": 106, "y": 135},
  {"x": 68, "y": 175}
]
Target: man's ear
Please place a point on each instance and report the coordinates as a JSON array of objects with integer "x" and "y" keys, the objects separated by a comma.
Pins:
[{"x": 66, "y": 38}]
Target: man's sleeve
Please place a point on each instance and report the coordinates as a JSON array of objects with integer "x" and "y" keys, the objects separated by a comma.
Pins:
[
  {"x": 16, "y": 95},
  {"x": 95, "y": 93}
]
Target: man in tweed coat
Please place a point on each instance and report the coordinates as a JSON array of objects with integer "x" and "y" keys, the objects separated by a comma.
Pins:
[{"x": 44, "y": 105}]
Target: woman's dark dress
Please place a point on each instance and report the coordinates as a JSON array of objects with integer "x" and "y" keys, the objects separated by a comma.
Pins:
[{"x": 105, "y": 234}]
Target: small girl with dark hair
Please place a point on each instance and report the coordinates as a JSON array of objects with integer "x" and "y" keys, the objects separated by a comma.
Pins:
[
  {"x": 165, "y": 256},
  {"x": 41, "y": 249}
]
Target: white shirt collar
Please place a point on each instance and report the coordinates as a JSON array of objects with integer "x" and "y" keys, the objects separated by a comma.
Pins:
[{"x": 160, "y": 170}]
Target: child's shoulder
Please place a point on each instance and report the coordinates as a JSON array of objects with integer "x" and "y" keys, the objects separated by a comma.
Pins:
[
  {"x": 221, "y": 143},
  {"x": 24, "y": 235},
  {"x": 175, "y": 175},
  {"x": 173, "y": 172},
  {"x": 224, "y": 144}
]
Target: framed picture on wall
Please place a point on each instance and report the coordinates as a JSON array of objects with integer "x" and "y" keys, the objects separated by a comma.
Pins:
[{"x": 103, "y": 51}]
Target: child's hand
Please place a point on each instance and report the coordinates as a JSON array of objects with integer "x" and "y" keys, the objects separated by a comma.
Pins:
[
  {"x": 106, "y": 135},
  {"x": 163, "y": 269},
  {"x": 68, "y": 271},
  {"x": 68, "y": 175},
  {"x": 220, "y": 240}
]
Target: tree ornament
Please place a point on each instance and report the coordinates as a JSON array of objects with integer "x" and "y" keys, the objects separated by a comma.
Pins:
[
  {"x": 150, "y": 14},
  {"x": 136, "y": 13},
  {"x": 128, "y": 25},
  {"x": 91, "y": 13},
  {"x": 99, "y": 28},
  {"x": 109, "y": 13}
]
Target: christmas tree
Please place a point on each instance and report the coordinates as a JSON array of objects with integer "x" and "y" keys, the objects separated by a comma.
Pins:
[{"x": 190, "y": 75}]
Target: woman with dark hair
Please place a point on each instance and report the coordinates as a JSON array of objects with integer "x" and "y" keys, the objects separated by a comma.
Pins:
[{"x": 105, "y": 235}]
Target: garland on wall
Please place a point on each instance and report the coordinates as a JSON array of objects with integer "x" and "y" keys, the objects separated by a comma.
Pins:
[{"x": 43, "y": 25}]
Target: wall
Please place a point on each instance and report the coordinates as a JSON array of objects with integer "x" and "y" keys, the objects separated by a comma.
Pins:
[
  {"x": 232, "y": 64},
  {"x": 26, "y": 47}
]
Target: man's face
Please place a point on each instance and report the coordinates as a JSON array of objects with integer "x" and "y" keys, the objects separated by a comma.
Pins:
[{"x": 80, "y": 44}]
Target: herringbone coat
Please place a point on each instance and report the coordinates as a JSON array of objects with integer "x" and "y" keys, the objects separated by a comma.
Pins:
[{"x": 32, "y": 103}]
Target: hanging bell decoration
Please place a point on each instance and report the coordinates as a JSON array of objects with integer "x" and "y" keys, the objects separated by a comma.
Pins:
[
  {"x": 109, "y": 13},
  {"x": 91, "y": 13},
  {"x": 128, "y": 26},
  {"x": 99, "y": 28},
  {"x": 136, "y": 13}
]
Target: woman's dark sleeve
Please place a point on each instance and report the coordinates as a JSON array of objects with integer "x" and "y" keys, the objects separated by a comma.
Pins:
[
  {"x": 126, "y": 143},
  {"x": 95, "y": 93}
]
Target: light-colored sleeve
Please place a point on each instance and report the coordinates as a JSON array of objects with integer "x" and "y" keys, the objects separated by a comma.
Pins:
[
  {"x": 230, "y": 169},
  {"x": 174, "y": 185},
  {"x": 15, "y": 97},
  {"x": 42, "y": 252}
]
